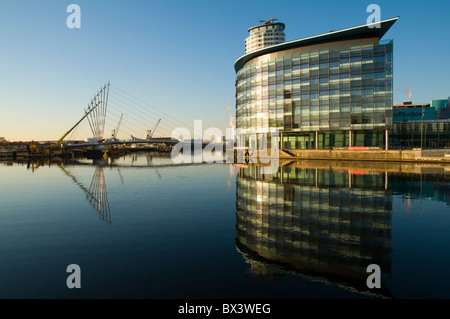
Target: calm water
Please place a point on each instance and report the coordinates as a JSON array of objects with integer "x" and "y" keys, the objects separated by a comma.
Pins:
[{"x": 141, "y": 227}]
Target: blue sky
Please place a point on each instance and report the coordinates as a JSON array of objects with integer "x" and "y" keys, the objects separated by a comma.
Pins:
[{"x": 178, "y": 55}]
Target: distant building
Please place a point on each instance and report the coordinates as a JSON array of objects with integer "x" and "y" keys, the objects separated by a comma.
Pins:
[
  {"x": 413, "y": 112},
  {"x": 442, "y": 108},
  {"x": 439, "y": 104},
  {"x": 420, "y": 134},
  {"x": 421, "y": 125},
  {"x": 265, "y": 35},
  {"x": 435, "y": 110}
]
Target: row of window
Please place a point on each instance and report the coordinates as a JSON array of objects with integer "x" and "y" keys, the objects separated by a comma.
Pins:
[
  {"x": 308, "y": 195},
  {"x": 266, "y": 40},
  {"x": 339, "y": 88},
  {"x": 267, "y": 33},
  {"x": 267, "y": 29},
  {"x": 264, "y": 65},
  {"x": 372, "y": 52},
  {"x": 323, "y": 69},
  {"x": 297, "y": 86},
  {"x": 366, "y": 96}
]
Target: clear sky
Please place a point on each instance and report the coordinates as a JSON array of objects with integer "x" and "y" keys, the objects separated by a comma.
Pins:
[{"x": 178, "y": 55}]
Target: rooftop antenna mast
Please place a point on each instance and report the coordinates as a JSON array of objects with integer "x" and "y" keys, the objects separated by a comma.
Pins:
[{"x": 268, "y": 21}]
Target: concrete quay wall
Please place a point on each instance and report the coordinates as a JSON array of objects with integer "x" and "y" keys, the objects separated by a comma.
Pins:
[{"x": 417, "y": 156}]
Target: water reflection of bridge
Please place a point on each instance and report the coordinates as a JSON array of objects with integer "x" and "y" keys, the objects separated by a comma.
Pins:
[
  {"x": 318, "y": 223},
  {"x": 96, "y": 194}
]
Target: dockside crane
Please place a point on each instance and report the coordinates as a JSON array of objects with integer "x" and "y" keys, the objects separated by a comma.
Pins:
[
  {"x": 116, "y": 131},
  {"x": 150, "y": 133}
]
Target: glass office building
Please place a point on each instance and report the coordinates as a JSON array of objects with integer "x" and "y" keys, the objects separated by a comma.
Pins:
[
  {"x": 423, "y": 134},
  {"x": 421, "y": 125},
  {"x": 327, "y": 91}
]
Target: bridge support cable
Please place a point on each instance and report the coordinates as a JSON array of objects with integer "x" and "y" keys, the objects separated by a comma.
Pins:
[
  {"x": 129, "y": 130},
  {"x": 97, "y": 118},
  {"x": 88, "y": 112},
  {"x": 144, "y": 118},
  {"x": 167, "y": 116},
  {"x": 137, "y": 121},
  {"x": 136, "y": 103},
  {"x": 130, "y": 115}
]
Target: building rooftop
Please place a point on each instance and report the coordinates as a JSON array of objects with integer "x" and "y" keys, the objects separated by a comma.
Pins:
[
  {"x": 267, "y": 24},
  {"x": 349, "y": 33}
]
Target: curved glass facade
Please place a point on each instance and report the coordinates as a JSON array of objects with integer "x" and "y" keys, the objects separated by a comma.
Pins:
[{"x": 325, "y": 95}]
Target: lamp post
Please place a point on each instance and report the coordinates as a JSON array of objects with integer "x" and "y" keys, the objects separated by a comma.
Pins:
[{"x": 421, "y": 131}]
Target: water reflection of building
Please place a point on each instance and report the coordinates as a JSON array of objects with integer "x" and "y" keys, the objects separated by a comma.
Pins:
[
  {"x": 433, "y": 186},
  {"x": 320, "y": 223}
]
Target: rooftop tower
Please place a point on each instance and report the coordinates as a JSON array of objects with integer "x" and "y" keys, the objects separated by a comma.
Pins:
[{"x": 265, "y": 35}]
